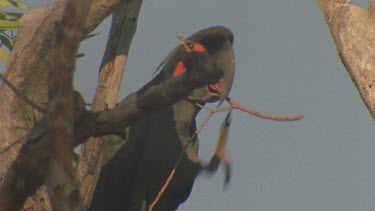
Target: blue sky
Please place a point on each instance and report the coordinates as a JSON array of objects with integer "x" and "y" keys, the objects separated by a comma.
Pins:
[{"x": 286, "y": 63}]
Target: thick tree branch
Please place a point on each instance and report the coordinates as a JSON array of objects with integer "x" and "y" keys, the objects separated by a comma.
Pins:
[{"x": 352, "y": 29}]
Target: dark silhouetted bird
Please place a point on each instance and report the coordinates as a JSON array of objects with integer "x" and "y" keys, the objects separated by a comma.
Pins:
[{"x": 132, "y": 178}]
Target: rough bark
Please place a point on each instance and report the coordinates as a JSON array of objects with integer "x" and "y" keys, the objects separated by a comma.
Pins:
[
  {"x": 352, "y": 29},
  {"x": 61, "y": 181},
  {"x": 124, "y": 23}
]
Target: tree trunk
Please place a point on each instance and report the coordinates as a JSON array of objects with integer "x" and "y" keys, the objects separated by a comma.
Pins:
[
  {"x": 124, "y": 24},
  {"x": 61, "y": 181},
  {"x": 352, "y": 29}
]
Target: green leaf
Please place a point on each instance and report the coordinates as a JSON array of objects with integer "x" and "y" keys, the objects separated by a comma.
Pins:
[
  {"x": 14, "y": 15},
  {"x": 2, "y": 15},
  {"x": 12, "y": 3},
  {"x": 8, "y": 25},
  {"x": 6, "y": 40},
  {"x": 6, "y": 3},
  {"x": 20, "y": 5},
  {"x": 4, "y": 55}
]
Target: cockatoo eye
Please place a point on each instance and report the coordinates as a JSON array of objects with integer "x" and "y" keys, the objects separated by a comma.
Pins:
[{"x": 190, "y": 44}]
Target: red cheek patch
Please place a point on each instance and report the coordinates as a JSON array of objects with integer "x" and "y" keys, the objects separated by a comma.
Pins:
[
  {"x": 180, "y": 68},
  {"x": 198, "y": 48}
]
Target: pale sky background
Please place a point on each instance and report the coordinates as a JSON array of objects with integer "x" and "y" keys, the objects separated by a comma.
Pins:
[{"x": 286, "y": 63}]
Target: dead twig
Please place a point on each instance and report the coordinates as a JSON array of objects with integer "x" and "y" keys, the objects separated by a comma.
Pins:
[{"x": 235, "y": 105}]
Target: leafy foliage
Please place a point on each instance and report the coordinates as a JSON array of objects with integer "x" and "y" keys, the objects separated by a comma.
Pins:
[
  {"x": 10, "y": 13},
  {"x": 12, "y": 3}
]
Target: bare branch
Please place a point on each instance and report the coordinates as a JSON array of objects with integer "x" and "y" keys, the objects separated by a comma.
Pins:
[
  {"x": 235, "y": 105},
  {"x": 162, "y": 190}
]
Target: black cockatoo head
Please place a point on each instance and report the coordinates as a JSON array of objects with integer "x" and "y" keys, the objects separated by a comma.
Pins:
[{"x": 217, "y": 41}]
